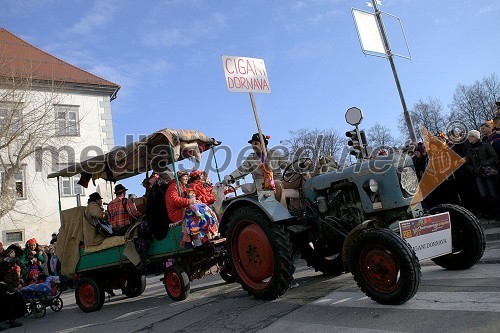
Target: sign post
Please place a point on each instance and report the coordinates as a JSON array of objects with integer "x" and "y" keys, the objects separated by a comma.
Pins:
[{"x": 247, "y": 75}]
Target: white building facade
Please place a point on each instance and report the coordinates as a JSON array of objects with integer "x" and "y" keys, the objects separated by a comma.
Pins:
[{"x": 82, "y": 128}]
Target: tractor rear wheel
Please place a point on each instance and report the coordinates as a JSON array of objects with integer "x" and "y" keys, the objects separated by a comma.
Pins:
[
  {"x": 260, "y": 253},
  {"x": 467, "y": 238}
]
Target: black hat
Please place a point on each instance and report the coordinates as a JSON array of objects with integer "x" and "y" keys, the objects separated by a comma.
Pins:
[
  {"x": 94, "y": 197},
  {"x": 120, "y": 189},
  {"x": 255, "y": 137}
]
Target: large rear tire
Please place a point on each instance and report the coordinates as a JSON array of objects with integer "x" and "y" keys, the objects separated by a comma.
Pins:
[
  {"x": 467, "y": 238},
  {"x": 260, "y": 253},
  {"x": 176, "y": 283},
  {"x": 384, "y": 266},
  {"x": 134, "y": 286},
  {"x": 89, "y": 295}
]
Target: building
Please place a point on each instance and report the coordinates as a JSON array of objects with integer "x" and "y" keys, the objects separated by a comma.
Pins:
[{"x": 64, "y": 113}]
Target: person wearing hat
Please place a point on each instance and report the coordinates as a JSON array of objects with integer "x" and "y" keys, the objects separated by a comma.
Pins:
[
  {"x": 204, "y": 190},
  {"x": 250, "y": 165},
  {"x": 181, "y": 209},
  {"x": 32, "y": 257},
  {"x": 121, "y": 211},
  {"x": 177, "y": 204},
  {"x": 94, "y": 210},
  {"x": 481, "y": 161}
]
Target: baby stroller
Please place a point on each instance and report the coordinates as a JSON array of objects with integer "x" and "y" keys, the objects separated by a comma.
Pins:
[{"x": 39, "y": 296}]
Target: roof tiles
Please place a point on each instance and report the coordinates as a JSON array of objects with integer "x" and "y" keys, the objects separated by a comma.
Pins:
[{"x": 21, "y": 59}]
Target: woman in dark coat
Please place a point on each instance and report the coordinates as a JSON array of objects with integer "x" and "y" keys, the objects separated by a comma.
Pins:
[
  {"x": 481, "y": 160},
  {"x": 12, "y": 304},
  {"x": 420, "y": 160}
]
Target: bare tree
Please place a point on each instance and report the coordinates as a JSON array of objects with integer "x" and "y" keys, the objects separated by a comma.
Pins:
[
  {"x": 428, "y": 114},
  {"x": 27, "y": 122},
  {"x": 475, "y": 104},
  {"x": 313, "y": 143},
  {"x": 380, "y": 135}
]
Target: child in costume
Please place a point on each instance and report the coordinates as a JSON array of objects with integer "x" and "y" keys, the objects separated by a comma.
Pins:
[{"x": 201, "y": 222}]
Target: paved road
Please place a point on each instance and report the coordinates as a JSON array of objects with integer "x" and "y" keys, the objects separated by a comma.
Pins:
[{"x": 447, "y": 301}]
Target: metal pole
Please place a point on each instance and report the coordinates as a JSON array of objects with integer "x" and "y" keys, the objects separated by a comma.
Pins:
[
  {"x": 216, "y": 166},
  {"x": 261, "y": 138},
  {"x": 59, "y": 199},
  {"x": 388, "y": 52},
  {"x": 174, "y": 171}
]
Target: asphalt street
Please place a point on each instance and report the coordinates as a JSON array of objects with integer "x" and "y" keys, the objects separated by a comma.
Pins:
[{"x": 447, "y": 301}]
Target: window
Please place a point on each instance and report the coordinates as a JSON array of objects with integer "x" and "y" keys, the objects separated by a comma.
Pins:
[
  {"x": 20, "y": 184},
  {"x": 13, "y": 237},
  {"x": 10, "y": 117},
  {"x": 66, "y": 120},
  {"x": 70, "y": 187}
]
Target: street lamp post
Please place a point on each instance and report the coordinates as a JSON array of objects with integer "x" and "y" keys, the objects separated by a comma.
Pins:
[{"x": 388, "y": 52}]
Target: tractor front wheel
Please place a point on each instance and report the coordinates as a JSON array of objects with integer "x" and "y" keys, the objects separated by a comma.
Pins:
[{"x": 384, "y": 266}]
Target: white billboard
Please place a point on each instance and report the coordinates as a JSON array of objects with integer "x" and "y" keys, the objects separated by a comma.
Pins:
[
  {"x": 368, "y": 32},
  {"x": 246, "y": 75}
]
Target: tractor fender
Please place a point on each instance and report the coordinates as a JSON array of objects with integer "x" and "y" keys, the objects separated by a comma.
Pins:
[
  {"x": 274, "y": 210},
  {"x": 350, "y": 237}
]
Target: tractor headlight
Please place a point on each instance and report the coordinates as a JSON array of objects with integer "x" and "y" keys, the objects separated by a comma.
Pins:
[
  {"x": 371, "y": 186},
  {"x": 409, "y": 180}
]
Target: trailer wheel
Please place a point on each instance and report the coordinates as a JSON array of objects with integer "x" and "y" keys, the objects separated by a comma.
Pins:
[
  {"x": 57, "y": 304},
  {"x": 176, "y": 283},
  {"x": 260, "y": 253},
  {"x": 467, "y": 238},
  {"x": 134, "y": 286},
  {"x": 89, "y": 295},
  {"x": 384, "y": 266}
]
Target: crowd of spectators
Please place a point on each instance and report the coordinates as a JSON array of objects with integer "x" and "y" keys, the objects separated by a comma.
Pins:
[
  {"x": 20, "y": 267},
  {"x": 475, "y": 185}
]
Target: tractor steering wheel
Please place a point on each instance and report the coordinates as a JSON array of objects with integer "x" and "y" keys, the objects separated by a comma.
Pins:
[{"x": 296, "y": 170}]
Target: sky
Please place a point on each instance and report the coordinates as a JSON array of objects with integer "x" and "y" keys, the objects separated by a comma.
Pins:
[{"x": 166, "y": 56}]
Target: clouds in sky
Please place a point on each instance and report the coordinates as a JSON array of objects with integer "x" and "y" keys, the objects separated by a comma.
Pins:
[
  {"x": 98, "y": 16},
  {"x": 489, "y": 9},
  {"x": 181, "y": 33}
]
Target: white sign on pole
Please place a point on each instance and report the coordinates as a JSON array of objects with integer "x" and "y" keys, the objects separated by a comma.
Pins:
[
  {"x": 429, "y": 236},
  {"x": 246, "y": 75},
  {"x": 369, "y": 35}
]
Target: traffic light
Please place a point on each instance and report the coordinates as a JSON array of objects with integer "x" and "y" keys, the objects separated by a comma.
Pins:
[
  {"x": 363, "y": 138},
  {"x": 354, "y": 143}
]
